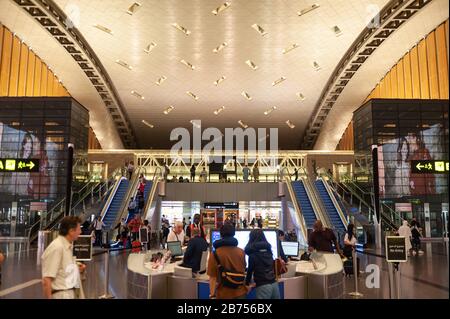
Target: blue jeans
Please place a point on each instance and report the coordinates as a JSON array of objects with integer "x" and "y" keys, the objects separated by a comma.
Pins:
[{"x": 269, "y": 291}]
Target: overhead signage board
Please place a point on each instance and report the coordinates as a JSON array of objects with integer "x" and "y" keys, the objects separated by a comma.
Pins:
[
  {"x": 82, "y": 248},
  {"x": 19, "y": 165},
  {"x": 430, "y": 167},
  {"x": 396, "y": 249}
]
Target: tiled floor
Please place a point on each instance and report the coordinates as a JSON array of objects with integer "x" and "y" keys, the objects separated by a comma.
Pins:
[{"x": 424, "y": 276}]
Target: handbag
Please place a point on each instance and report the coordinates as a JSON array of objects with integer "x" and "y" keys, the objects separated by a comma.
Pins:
[
  {"x": 229, "y": 278},
  {"x": 280, "y": 267}
]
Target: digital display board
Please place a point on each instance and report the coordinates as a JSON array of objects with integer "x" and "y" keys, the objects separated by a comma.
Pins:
[
  {"x": 19, "y": 165},
  {"x": 429, "y": 167}
]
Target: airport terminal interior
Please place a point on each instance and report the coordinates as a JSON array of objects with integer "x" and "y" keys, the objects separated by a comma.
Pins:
[{"x": 128, "y": 164}]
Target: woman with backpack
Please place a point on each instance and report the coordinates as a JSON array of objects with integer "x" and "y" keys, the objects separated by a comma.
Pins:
[{"x": 261, "y": 266}]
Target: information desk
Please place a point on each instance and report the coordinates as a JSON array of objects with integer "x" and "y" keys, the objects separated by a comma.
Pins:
[{"x": 302, "y": 281}]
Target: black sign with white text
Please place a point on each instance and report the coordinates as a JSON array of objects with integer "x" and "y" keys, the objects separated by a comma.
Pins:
[
  {"x": 82, "y": 248},
  {"x": 396, "y": 249}
]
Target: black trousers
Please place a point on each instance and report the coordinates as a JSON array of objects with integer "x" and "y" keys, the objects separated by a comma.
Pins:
[{"x": 98, "y": 238}]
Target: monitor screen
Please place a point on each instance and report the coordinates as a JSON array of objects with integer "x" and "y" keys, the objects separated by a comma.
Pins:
[
  {"x": 242, "y": 238},
  {"x": 175, "y": 248},
  {"x": 290, "y": 248}
]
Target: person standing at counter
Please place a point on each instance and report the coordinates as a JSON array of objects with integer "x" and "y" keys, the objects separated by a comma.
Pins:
[
  {"x": 226, "y": 258},
  {"x": 261, "y": 266},
  {"x": 322, "y": 239},
  {"x": 281, "y": 238},
  {"x": 177, "y": 233},
  {"x": 194, "y": 251},
  {"x": 196, "y": 225}
]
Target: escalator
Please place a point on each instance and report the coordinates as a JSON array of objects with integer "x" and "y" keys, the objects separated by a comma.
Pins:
[
  {"x": 305, "y": 204},
  {"x": 331, "y": 206},
  {"x": 114, "y": 203}
]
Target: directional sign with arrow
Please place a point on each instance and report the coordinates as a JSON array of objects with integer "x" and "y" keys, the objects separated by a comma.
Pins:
[
  {"x": 19, "y": 165},
  {"x": 429, "y": 167}
]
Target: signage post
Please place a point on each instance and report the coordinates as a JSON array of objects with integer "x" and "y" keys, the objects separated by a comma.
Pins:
[
  {"x": 395, "y": 254},
  {"x": 143, "y": 237}
]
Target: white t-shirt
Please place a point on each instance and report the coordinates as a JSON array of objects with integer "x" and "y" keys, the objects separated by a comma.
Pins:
[
  {"x": 352, "y": 242},
  {"x": 176, "y": 237}
]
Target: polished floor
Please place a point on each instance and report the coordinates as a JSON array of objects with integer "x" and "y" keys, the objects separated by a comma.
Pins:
[{"x": 423, "y": 277}]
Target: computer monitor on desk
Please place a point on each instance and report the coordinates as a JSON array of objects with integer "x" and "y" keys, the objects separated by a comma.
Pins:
[
  {"x": 175, "y": 248},
  {"x": 290, "y": 248}
]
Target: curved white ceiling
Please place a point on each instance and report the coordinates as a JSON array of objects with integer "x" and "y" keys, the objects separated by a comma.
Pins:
[
  {"x": 57, "y": 58},
  {"x": 152, "y": 22},
  {"x": 376, "y": 67}
]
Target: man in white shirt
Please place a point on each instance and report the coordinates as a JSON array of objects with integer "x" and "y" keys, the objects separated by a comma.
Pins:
[
  {"x": 60, "y": 272},
  {"x": 98, "y": 226},
  {"x": 177, "y": 233}
]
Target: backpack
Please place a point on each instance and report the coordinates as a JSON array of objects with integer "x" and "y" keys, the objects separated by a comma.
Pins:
[{"x": 229, "y": 279}]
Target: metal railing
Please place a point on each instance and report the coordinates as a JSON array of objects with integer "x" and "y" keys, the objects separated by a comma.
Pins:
[
  {"x": 155, "y": 184},
  {"x": 316, "y": 203},
  {"x": 299, "y": 215},
  {"x": 335, "y": 203}
]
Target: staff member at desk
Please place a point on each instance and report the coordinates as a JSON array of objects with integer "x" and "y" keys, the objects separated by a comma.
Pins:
[
  {"x": 177, "y": 233},
  {"x": 322, "y": 239},
  {"x": 195, "y": 248}
]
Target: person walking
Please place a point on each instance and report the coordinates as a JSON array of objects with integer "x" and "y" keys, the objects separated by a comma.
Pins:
[
  {"x": 193, "y": 173},
  {"x": 405, "y": 231},
  {"x": 130, "y": 170},
  {"x": 134, "y": 225},
  {"x": 261, "y": 266},
  {"x": 203, "y": 176},
  {"x": 349, "y": 247},
  {"x": 60, "y": 272},
  {"x": 322, "y": 239},
  {"x": 246, "y": 173},
  {"x": 256, "y": 173},
  {"x": 415, "y": 238},
  {"x": 98, "y": 227}
]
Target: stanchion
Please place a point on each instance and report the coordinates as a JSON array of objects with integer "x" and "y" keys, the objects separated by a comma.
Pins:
[
  {"x": 356, "y": 294},
  {"x": 397, "y": 279},
  {"x": 107, "y": 295}
]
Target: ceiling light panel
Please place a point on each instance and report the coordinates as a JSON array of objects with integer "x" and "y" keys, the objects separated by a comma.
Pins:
[
  {"x": 104, "y": 29},
  {"x": 259, "y": 29},
  {"x": 182, "y": 29},
  {"x": 133, "y": 8},
  {"x": 252, "y": 65},
  {"x": 267, "y": 112},
  {"x": 149, "y": 48},
  {"x": 189, "y": 65},
  {"x": 316, "y": 66},
  {"x": 290, "y": 48},
  {"x": 301, "y": 96},
  {"x": 138, "y": 95},
  {"x": 217, "y": 82},
  {"x": 219, "y": 110},
  {"x": 124, "y": 64},
  {"x": 192, "y": 95},
  {"x": 337, "y": 31},
  {"x": 289, "y": 123},
  {"x": 308, "y": 9},
  {"x": 247, "y": 96},
  {"x": 161, "y": 80},
  {"x": 148, "y": 124},
  {"x": 280, "y": 80},
  {"x": 220, "y": 47},
  {"x": 221, "y": 8},
  {"x": 168, "y": 110},
  {"x": 242, "y": 124}
]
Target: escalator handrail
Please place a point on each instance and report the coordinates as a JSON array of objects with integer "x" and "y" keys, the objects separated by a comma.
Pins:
[
  {"x": 302, "y": 222},
  {"x": 151, "y": 196},
  {"x": 319, "y": 210},
  {"x": 335, "y": 203}
]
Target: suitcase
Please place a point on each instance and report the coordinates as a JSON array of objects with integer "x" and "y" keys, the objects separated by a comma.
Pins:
[{"x": 348, "y": 267}]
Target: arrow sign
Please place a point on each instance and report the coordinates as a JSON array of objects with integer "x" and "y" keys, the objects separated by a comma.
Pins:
[
  {"x": 419, "y": 167},
  {"x": 19, "y": 165},
  {"x": 30, "y": 165},
  {"x": 429, "y": 167}
]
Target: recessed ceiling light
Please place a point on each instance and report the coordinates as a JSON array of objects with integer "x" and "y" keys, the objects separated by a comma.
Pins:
[
  {"x": 189, "y": 65},
  {"x": 245, "y": 126},
  {"x": 247, "y": 96},
  {"x": 104, "y": 29},
  {"x": 195, "y": 97},
  {"x": 316, "y": 66},
  {"x": 301, "y": 96},
  {"x": 337, "y": 31},
  {"x": 134, "y": 7},
  {"x": 289, "y": 123},
  {"x": 290, "y": 48},
  {"x": 150, "y": 47},
  {"x": 219, "y": 110},
  {"x": 221, "y": 8},
  {"x": 136, "y": 94},
  {"x": 280, "y": 80},
  {"x": 273, "y": 108},
  {"x": 161, "y": 80},
  {"x": 252, "y": 65},
  {"x": 220, "y": 47},
  {"x": 182, "y": 29},
  {"x": 124, "y": 64},
  {"x": 223, "y": 78},
  {"x": 308, "y": 9},
  {"x": 259, "y": 29},
  {"x": 148, "y": 124},
  {"x": 168, "y": 110}
]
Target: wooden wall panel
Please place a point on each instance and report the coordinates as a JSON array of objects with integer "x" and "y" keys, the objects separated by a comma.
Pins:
[
  {"x": 423, "y": 70},
  {"x": 30, "y": 74},
  {"x": 50, "y": 78},
  {"x": 408, "y": 77},
  {"x": 15, "y": 64},
  {"x": 6, "y": 63},
  {"x": 394, "y": 82},
  {"x": 37, "y": 77},
  {"x": 400, "y": 80},
  {"x": 44, "y": 75},
  {"x": 441, "y": 47},
  {"x": 415, "y": 75},
  {"x": 432, "y": 66},
  {"x": 21, "y": 89}
]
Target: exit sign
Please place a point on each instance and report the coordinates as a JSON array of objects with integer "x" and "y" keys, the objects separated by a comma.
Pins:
[
  {"x": 19, "y": 165},
  {"x": 429, "y": 167}
]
